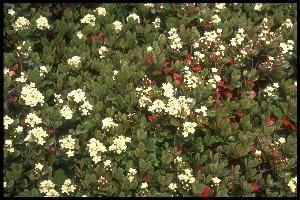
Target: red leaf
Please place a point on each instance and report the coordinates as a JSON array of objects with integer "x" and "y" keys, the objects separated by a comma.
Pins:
[
  {"x": 240, "y": 114},
  {"x": 255, "y": 186},
  {"x": 191, "y": 114},
  {"x": 188, "y": 54},
  {"x": 205, "y": 191},
  {"x": 228, "y": 94},
  {"x": 199, "y": 168},
  {"x": 152, "y": 118},
  {"x": 230, "y": 186},
  {"x": 51, "y": 131},
  {"x": 207, "y": 26},
  {"x": 149, "y": 59},
  {"x": 275, "y": 150},
  {"x": 49, "y": 173},
  {"x": 250, "y": 83},
  {"x": 176, "y": 76},
  {"x": 179, "y": 149},
  {"x": 15, "y": 67},
  {"x": 218, "y": 95},
  {"x": 188, "y": 60},
  {"x": 13, "y": 98},
  {"x": 285, "y": 122},
  {"x": 217, "y": 104},
  {"x": 271, "y": 121},
  {"x": 230, "y": 61},
  {"x": 196, "y": 68},
  {"x": 147, "y": 178},
  {"x": 101, "y": 36},
  {"x": 167, "y": 69},
  {"x": 252, "y": 148}
]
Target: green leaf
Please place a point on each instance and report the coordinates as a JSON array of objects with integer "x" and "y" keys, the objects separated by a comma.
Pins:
[{"x": 59, "y": 176}]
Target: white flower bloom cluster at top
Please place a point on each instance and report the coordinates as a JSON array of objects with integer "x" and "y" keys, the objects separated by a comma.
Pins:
[
  {"x": 144, "y": 94},
  {"x": 239, "y": 38},
  {"x": 115, "y": 74},
  {"x": 186, "y": 179},
  {"x": 119, "y": 144},
  {"x": 21, "y": 23},
  {"x": 156, "y": 22},
  {"x": 169, "y": 90},
  {"x": 131, "y": 173},
  {"x": 179, "y": 107},
  {"x": 215, "y": 78},
  {"x": 173, "y": 187},
  {"x": 42, "y": 23},
  {"x": 258, "y": 6},
  {"x": 281, "y": 140},
  {"x": 88, "y": 19},
  {"x": 219, "y": 6},
  {"x": 85, "y": 108},
  {"x": 178, "y": 160},
  {"x": 68, "y": 187},
  {"x": 101, "y": 11},
  {"x": 149, "y": 5},
  {"x": 68, "y": 143},
  {"x": 293, "y": 184},
  {"x": 7, "y": 121},
  {"x": 134, "y": 16},
  {"x": 271, "y": 90},
  {"x": 216, "y": 19},
  {"x": 108, "y": 123},
  {"x": 22, "y": 78},
  {"x": 66, "y": 112},
  {"x": 37, "y": 135},
  {"x": 19, "y": 129},
  {"x": 47, "y": 187},
  {"x": 288, "y": 23},
  {"x": 216, "y": 180},
  {"x": 58, "y": 99},
  {"x": 102, "y": 50},
  {"x": 188, "y": 127},
  {"x": 175, "y": 39},
  {"x": 79, "y": 34},
  {"x": 202, "y": 110},
  {"x": 118, "y": 26},
  {"x": 8, "y": 146},
  {"x": 95, "y": 147},
  {"x": 107, "y": 165},
  {"x": 43, "y": 70},
  {"x": 144, "y": 185},
  {"x": 149, "y": 48},
  {"x": 288, "y": 47},
  {"x": 31, "y": 95},
  {"x": 75, "y": 61},
  {"x": 38, "y": 168},
  {"x": 32, "y": 119},
  {"x": 77, "y": 95},
  {"x": 11, "y": 12},
  {"x": 190, "y": 80},
  {"x": 157, "y": 106}
]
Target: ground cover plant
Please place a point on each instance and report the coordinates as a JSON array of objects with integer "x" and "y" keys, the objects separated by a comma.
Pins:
[{"x": 150, "y": 100}]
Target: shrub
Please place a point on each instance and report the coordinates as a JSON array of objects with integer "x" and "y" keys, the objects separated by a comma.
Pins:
[{"x": 150, "y": 100}]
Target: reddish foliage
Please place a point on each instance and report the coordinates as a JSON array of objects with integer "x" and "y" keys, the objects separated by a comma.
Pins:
[
  {"x": 205, "y": 191},
  {"x": 147, "y": 178},
  {"x": 152, "y": 118},
  {"x": 255, "y": 186},
  {"x": 149, "y": 59},
  {"x": 196, "y": 68},
  {"x": 271, "y": 120},
  {"x": 252, "y": 148},
  {"x": 250, "y": 83}
]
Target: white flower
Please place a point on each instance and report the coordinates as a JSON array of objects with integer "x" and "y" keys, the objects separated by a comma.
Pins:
[
  {"x": 216, "y": 19},
  {"x": 11, "y": 12},
  {"x": 75, "y": 61},
  {"x": 258, "y": 6},
  {"x": 42, "y": 23},
  {"x": 276, "y": 85},
  {"x": 37, "y": 135},
  {"x": 77, "y": 95},
  {"x": 281, "y": 140},
  {"x": 101, "y": 11},
  {"x": 58, "y": 99},
  {"x": 32, "y": 119},
  {"x": 119, "y": 144},
  {"x": 68, "y": 187},
  {"x": 216, "y": 180},
  {"x": 203, "y": 110},
  {"x": 85, "y": 108},
  {"x": 21, "y": 23},
  {"x": 144, "y": 185},
  {"x": 52, "y": 193},
  {"x": 66, "y": 112},
  {"x": 186, "y": 179},
  {"x": 79, "y": 34},
  {"x": 43, "y": 70},
  {"x": 220, "y": 6},
  {"x": 39, "y": 167},
  {"x": 157, "y": 106},
  {"x": 149, "y": 5},
  {"x": 31, "y": 95},
  {"x": 22, "y": 78},
  {"x": 149, "y": 48},
  {"x": 188, "y": 127},
  {"x": 102, "y": 50},
  {"x": 118, "y": 25},
  {"x": 156, "y": 22},
  {"x": 19, "y": 129},
  {"x": 68, "y": 143},
  {"x": 168, "y": 90},
  {"x": 108, "y": 123},
  {"x": 288, "y": 23},
  {"x": 107, "y": 164},
  {"x": 214, "y": 70},
  {"x": 172, "y": 186},
  {"x": 8, "y": 146},
  {"x": 217, "y": 78},
  {"x": 88, "y": 19},
  {"x": 4, "y": 184},
  {"x": 134, "y": 17},
  {"x": 46, "y": 186},
  {"x": 258, "y": 153},
  {"x": 293, "y": 184},
  {"x": 7, "y": 121},
  {"x": 95, "y": 147}
]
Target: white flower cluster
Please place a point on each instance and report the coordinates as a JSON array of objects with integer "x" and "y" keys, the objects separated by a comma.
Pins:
[
  {"x": 58, "y": 99},
  {"x": 102, "y": 50},
  {"x": 7, "y": 121},
  {"x": 77, "y": 95},
  {"x": 239, "y": 38},
  {"x": 101, "y": 11},
  {"x": 11, "y": 12},
  {"x": 31, "y": 95},
  {"x": 131, "y": 173},
  {"x": 179, "y": 107},
  {"x": 85, "y": 108},
  {"x": 32, "y": 119},
  {"x": 22, "y": 78},
  {"x": 216, "y": 19},
  {"x": 21, "y": 23},
  {"x": 211, "y": 37},
  {"x": 173, "y": 186},
  {"x": 175, "y": 39},
  {"x": 190, "y": 80},
  {"x": 215, "y": 79},
  {"x": 79, "y": 34},
  {"x": 149, "y": 48},
  {"x": 287, "y": 47},
  {"x": 66, "y": 112},
  {"x": 107, "y": 165},
  {"x": 169, "y": 90},
  {"x": 186, "y": 179},
  {"x": 178, "y": 160},
  {"x": 108, "y": 123},
  {"x": 288, "y": 23},
  {"x": 88, "y": 19},
  {"x": 258, "y": 6},
  {"x": 149, "y": 5},
  {"x": 219, "y": 6},
  {"x": 38, "y": 168},
  {"x": 281, "y": 140},
  {"x": 5, "y": 71},
  {"x": 8, "y": 146},
  {"x": 257, "y": 153},
  {"x": 293, "y": 184},
  {"x": 188, "y": 127},
  {"x": 19, "y": 129},
  {"x": 270, "y": 90},
  {"x": 47, "y": 187},
  {"x": 42, "y": 23},
  {"x": 144, "y": 185},
  {"x": 37, "y": 135},
  {"x": 118, "y": 25},
  {"x": 198, "y": 56},
  {"x": 67, "y": 187},
  {"x": 202, "y": 109},
  {"x": 68, "y": 143},
  {"x": 75, "y": 61},
  {"x": 115, "y": 73},
  {"x": 134, "y": 17},
  {"x": 43, "y": 70},
  {"x": 156, "y": 22},
  {"x": 95, "y": 147},
  {"x": 144, "y": 94},
  {"x": 119, "y": 144},
  {"x": 157, "y": 106},
  {"x": 216, "y": 181}
]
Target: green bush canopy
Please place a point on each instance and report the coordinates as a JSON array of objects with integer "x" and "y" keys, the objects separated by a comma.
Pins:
[{"x": 155, "y": 99}]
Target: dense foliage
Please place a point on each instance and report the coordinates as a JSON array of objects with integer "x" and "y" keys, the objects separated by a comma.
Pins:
[{"x": 150, "y": 100}]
